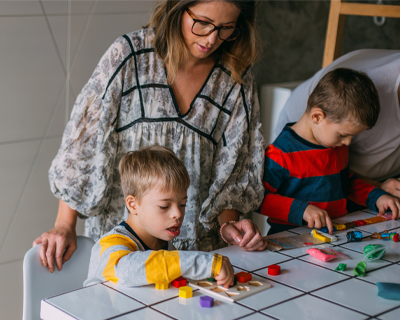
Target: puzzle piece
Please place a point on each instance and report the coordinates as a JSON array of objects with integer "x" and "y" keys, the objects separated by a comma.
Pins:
[
  {"x": 206, "y": 301},
  {"x": 185, "y": 292},
  {"x": 161, "y": 286},
  {"x": 243, "y": 276},
  {"x": 179, "y": 282}
]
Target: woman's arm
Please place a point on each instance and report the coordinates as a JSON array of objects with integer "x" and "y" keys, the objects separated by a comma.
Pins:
[
  {"x": 391, "y": 185},
  {"x": 59, "y": 242}
]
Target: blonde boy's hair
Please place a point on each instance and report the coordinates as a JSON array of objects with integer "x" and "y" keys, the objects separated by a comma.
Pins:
[{"x": 152, "y": 166}]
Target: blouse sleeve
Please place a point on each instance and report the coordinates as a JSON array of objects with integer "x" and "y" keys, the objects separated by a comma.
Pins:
[
  {"x": 82, "y": 171},
  {"x": 238, "y": 162}
]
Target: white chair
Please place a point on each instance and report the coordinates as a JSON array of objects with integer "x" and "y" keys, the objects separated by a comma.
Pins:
[{"x": 39, "y": 283}]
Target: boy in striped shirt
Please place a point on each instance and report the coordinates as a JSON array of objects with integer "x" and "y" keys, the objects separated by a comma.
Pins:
[
  {"x": 138, "y": 252},
  {"x": 307, "y": 177}
]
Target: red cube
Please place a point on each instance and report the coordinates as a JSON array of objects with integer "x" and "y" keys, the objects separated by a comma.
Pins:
[
  {"x": 179, "y": 282},
  {"x": 243, "y": 276}
]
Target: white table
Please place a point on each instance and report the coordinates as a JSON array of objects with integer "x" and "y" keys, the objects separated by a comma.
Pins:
[{"x": 307, "y": 288}]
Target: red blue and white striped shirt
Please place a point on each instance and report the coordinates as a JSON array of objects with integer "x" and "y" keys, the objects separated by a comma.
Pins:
[{"x": 298, "y": 173}]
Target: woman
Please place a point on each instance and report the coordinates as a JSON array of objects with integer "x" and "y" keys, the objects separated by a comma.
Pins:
[{"x": 184, "y": 83}]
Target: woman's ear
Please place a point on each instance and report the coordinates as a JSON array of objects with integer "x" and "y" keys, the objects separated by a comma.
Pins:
[
  {"x": 317, "y": 115},
  {"x": 131, "y": 204}
]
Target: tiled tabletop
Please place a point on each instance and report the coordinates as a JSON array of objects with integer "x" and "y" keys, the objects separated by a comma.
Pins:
[{"x": 307, "y": 288}]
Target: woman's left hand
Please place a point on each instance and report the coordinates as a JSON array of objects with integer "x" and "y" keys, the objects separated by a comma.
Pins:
[
  {"x": 245, "y": 234},
  {"x": 392, "y": 186}
]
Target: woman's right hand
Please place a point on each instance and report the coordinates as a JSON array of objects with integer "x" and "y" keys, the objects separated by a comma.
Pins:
[{"x": 58, "y": 243}]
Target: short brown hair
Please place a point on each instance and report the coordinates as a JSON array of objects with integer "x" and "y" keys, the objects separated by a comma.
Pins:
[
  {"x": 346, "y": 94},
  {"x": 143, "y": 169},
  {"x": 169, "y": 43}
]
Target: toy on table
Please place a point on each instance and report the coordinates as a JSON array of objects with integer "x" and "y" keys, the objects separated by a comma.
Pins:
[
  {"x": 325, "y": 254},
  {"x": 234, "y": 293},
  {"x": 385, "y": 235},
  {"x": 206, "y": 301},
  {"x": 274, "y": 270},
  {"x": 179, "y": 282},
  {"x": 360, "y": 269},
  {"x": 354, "y": 236},
  {"x": 374, "y": 252},
  {"x": 185, "y": 292},
  {"x": 341, "y": 267},
  {"x": 389, "y": 290},
  {"x": 325, "y": 237},
  {"x": 243, "y": 276},
  {"x": 211, "y": 279},
  {"x": 340, "y": 227},
  {"x": 162, "y": 286},
  {"x": 325, "y": 229}
]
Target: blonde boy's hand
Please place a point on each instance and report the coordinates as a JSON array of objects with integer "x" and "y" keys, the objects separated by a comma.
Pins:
[
  {"x": 385, "y": 202},
  {"x": 317, "y": 218},
  {"x": 226, "y": 275}
]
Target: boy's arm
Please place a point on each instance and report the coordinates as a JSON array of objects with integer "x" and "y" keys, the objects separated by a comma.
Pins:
[
  {"x": 121, "y": 263},
  {"x": 275, "y": 205},
  {"x": 363, "y": 193}
]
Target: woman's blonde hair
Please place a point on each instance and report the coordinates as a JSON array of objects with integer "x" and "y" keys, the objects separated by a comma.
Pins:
[
  {"x": 169, "y": 44},
  {"x": 149, "y": 167}
]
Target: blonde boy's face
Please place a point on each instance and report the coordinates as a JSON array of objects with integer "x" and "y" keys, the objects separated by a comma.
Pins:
[
  {"x": 158, "y": 215},
  {"x": 334, "y": 134}
]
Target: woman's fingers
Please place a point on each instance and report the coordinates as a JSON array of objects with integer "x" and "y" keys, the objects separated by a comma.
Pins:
[
  {"x": 42, "y": 251},
  {"x": 50, "y": 255},
  {"x": 252, "y": 238},
  {"x": 230, "y": 232}
]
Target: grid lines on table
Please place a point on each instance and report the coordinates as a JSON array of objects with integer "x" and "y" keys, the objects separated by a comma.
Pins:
[{"x": 293, "y": 293}]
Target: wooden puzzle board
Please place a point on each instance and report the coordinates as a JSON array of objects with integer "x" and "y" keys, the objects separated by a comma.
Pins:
[{"x": 234, "y": 293}]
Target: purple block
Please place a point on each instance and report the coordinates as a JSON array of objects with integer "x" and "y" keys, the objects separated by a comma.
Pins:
[{"x": 206, "y": 301}]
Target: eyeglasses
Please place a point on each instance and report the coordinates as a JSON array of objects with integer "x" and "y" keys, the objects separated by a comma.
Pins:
[{"x": 203, "y": 28}]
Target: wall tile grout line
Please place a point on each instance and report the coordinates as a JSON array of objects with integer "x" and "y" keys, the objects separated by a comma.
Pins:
[
  {"x": 52, "y": 37},
  {"x": 68, "y": 63},
  {"x": 35, "y": 159},
  {"x": 29, "y": 140}
]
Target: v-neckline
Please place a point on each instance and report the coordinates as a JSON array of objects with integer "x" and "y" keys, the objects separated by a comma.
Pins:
[{"x": 171, "y": 91}]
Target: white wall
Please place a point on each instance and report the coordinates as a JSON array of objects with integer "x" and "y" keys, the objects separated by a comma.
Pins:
[{"x": 42, "y": 44}]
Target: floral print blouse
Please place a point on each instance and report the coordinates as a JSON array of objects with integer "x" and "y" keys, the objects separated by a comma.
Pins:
[{"x": 127, "y": 104}]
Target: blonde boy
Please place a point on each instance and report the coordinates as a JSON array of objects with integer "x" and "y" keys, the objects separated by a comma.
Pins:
[
  {"x": 307, "y": 176},
  {"x": 138, "y": 252}
]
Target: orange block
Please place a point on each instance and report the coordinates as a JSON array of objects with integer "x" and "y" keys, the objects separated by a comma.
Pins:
[{"x": 374, "y": 220}]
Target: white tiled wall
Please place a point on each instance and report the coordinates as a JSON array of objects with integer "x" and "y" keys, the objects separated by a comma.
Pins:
[{"x": 38, "y": 41}]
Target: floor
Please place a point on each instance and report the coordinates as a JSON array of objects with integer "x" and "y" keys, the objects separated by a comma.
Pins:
[{"x": 307, "y": 288}]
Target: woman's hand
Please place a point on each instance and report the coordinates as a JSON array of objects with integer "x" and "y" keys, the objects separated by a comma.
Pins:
[
  {"x": 59, "y": 242},
  {"x": 392, "y": 186},
  {"x": 245, "y": 234}
]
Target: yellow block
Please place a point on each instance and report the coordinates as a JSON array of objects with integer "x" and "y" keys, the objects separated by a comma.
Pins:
[
  {"x": 185, "y": 292},
  {"x": 320, "y": 236},
  {"x": 161, "y": 286},
  {"x": 340, "y": 227}
]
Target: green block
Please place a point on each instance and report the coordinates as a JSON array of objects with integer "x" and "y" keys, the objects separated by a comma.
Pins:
[{"x": 341, "y": 267}]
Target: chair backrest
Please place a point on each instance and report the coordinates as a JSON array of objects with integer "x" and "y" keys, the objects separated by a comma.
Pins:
[{"x": 39, "y": 283}]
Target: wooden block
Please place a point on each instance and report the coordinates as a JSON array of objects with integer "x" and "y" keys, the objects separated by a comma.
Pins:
[
  {"x": 243, "y": 276},
  {"x": 185, "y": 292},
  {"x": 161, "y": 286},
  {"x": 179, "y": 282}
]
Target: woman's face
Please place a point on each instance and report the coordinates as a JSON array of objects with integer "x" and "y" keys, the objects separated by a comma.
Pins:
[{"x": 220, "y": 13}]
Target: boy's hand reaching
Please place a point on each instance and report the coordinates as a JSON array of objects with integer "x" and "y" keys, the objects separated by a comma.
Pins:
[
  {"x": 317, "y": 218},
  {"x": 226, "y": 275},
  {"x": 386, "y": 202}
]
